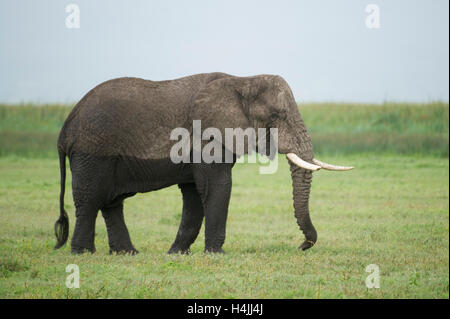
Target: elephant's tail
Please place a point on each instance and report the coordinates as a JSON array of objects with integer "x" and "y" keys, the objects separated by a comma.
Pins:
[{"x": 62, "y": 224}]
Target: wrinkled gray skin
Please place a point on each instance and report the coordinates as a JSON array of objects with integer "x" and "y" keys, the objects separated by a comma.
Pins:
[{"x": 117, "y": 141}]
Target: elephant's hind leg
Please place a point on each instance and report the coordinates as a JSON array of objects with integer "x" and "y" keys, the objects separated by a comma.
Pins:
[
  {"x": 191, "y": 219},
  {"x": 90, "y": 184},
  {"x": 84, "y": 233},
  {"x": 87, "y": 207},
  {"x": 118, "y": 236}
]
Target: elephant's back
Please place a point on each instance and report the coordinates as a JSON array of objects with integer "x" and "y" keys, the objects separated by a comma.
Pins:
[{"x": 128, "y": 116}]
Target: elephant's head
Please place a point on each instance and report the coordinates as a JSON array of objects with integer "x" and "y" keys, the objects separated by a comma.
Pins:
[{"x": 266, "y": 101}]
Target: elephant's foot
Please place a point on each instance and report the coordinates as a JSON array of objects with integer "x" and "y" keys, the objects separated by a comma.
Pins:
[
  {"x": 306, "y": 245},
  {"x": 81, "y": 250},
  {"x": 214, "y": 250},
  {"x": 123, "y": 251},
  {"x": 179, "y": 250}
]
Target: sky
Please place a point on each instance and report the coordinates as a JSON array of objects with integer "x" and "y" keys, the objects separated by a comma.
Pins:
[{"x": 327, "y": 50}]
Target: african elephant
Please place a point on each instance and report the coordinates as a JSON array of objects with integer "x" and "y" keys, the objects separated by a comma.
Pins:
[{"x": 117, "y": 142}]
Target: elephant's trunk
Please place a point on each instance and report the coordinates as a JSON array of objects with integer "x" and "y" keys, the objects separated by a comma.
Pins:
[{"x": 301, "y": 184}]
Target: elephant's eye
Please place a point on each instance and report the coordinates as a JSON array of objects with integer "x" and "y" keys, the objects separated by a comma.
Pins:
[{"x": 273, "y": 117}]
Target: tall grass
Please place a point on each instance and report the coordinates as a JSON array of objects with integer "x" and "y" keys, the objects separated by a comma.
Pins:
[
  {"x": 31, "y": 130},
  {"x": 32, "y": 118},
  {"x": 337, "y": 128},
  {"x": 396, "y": 128}
]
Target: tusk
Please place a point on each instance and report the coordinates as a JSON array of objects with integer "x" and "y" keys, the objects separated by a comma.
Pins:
[
  {"x": 301, "y": 163},
  {"x": 332, "y": 167}
]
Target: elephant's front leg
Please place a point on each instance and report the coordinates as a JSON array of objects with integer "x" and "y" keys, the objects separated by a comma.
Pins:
[
  {"x": 191, "y": 219},
  {"x": 214, "y": 186}
]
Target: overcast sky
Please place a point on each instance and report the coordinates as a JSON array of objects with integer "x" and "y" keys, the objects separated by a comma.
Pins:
[{"x": 323, "y": 49}]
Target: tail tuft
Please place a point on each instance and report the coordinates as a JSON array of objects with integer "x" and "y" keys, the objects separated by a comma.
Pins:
[
  {"x": 62, "y": 224},
  {"x": 62, "y": 230}
]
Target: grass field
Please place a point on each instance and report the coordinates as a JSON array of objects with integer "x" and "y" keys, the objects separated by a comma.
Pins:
[{"x": 392, "y": 211}]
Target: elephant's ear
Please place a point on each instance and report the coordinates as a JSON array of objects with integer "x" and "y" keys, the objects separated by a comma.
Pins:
[{"x": 225, "y": 104}]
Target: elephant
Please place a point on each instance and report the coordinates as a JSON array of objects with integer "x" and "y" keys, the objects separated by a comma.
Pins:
[{"x": 117, "y": 141}]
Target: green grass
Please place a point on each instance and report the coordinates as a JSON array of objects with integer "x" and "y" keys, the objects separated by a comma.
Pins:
[
  {"x": 391, "y": 210},
  {"x": 390, "y": 128},
  {"x": 393, "y": 128}
]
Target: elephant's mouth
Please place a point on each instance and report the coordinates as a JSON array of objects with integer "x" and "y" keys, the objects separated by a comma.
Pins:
[{"x": 316, "y": 165}]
